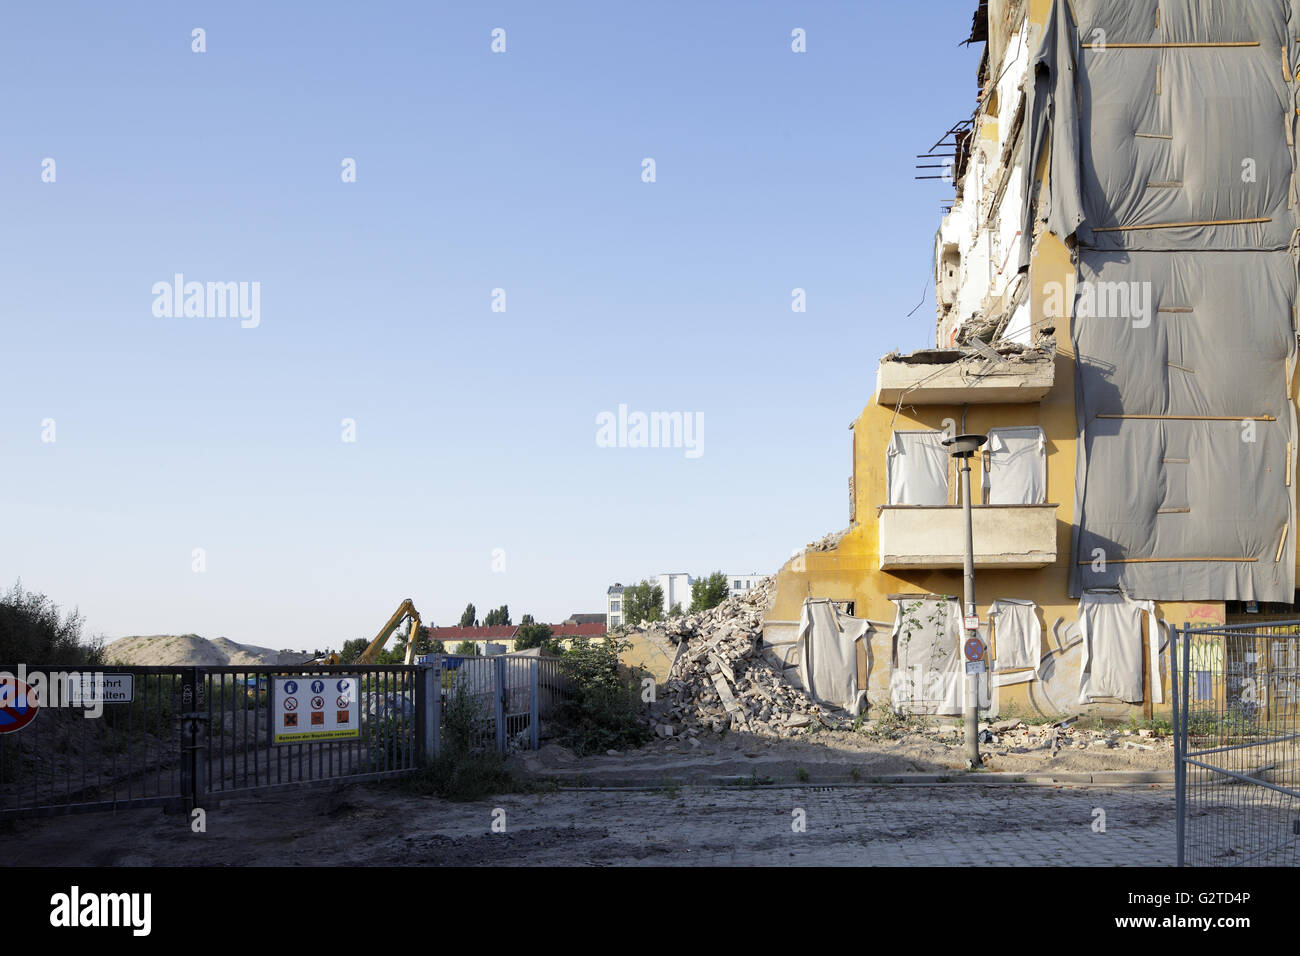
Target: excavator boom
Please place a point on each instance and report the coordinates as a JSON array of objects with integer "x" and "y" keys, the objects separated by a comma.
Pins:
[{"x": 405, "y": 609}]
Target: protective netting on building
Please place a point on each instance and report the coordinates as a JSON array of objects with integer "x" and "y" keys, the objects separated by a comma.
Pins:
[{"x": 1171, "y": 136}]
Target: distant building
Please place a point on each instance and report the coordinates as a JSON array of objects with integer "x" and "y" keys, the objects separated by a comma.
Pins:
[
  {"x": 676, "y": 586},
  {"x": 598, "y": 618},
  {"x": 677, "y": 589},
  {"x": 614, "y": 606},
  {"x": 738, "y": 584}
]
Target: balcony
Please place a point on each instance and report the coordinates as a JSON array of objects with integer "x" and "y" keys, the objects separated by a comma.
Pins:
[
  {"x": 1006, "y": 536},
  {"x": 958, "y": 376}
]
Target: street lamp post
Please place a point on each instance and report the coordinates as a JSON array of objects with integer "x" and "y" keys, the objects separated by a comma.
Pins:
[{"x": 962, "y": 447}]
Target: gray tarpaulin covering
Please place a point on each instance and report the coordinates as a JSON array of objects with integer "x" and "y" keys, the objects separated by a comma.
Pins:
[
  {"x": 1162, "y": 138},
  {"x": 917, "y": 466},
  {"x": 1112, "y": 646},
  {"x": 1017, "y": 472},
  {"x": 1018, "y": 635},
  {"x": 828, "y": 654}
]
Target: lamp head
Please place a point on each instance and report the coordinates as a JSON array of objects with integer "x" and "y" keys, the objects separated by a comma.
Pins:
[{"x": 963, "y": 446}]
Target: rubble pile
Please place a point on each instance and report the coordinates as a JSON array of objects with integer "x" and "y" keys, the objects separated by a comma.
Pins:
[
  {"x": 1016, "y": 737},
  {"x": 722, "y": 680}
]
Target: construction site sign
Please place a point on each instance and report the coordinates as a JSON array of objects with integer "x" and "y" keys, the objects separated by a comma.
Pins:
[{"x": 308, "y": 708}]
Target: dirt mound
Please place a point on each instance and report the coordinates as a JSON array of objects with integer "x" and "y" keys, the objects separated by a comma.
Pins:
[{"x": 190, "y": 650}]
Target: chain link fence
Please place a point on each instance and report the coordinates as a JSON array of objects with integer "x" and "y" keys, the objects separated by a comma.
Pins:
[{"x": 1237, "y": 732}]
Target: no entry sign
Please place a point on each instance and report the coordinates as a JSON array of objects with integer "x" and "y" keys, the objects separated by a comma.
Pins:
[{"x": 18, "y": 705}]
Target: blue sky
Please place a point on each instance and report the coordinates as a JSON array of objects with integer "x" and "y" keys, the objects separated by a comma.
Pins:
[{"x": 475, "y": 430}]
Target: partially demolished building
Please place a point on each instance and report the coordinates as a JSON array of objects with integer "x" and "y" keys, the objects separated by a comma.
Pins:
[{"x": 1116, "y": 309}]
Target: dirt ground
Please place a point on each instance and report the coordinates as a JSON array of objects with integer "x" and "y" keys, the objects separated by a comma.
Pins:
[
  {"x": 726, "y": 801},
  {"x": 384, "y": 824}
]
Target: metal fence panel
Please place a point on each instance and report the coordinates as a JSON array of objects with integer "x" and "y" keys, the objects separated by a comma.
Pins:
[
  {"x": 1237, "y": 729},
  {"x": 64, "y": 761},
  {"x": 504, "y": 702},
  {"x": 240, "y": 756},
  {"x": 191, "y": 733}
]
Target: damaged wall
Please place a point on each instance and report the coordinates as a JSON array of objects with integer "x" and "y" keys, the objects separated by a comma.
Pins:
[{"x": 1246, "y": 323}]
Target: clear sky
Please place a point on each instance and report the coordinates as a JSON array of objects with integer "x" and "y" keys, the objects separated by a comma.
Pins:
[{"x": 475, "y": 430}]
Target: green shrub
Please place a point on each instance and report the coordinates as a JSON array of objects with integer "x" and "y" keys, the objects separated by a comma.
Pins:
[
  {"x": 601, "y": 711},
  {"x": 465, "y": 769}
]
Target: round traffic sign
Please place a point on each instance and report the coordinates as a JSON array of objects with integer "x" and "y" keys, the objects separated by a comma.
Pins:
[
  {"x": 343, "y": 685},
  {"x": 18, "y": 705},
  {"x": 291, "y": 687},
  {"x": 317, "y": 686},
  {"x": 291, "y": 703},
  {"x": 344, "y": 700},
  {"x": 318, "y": 703},
  {"x": 974, "y": 649}
]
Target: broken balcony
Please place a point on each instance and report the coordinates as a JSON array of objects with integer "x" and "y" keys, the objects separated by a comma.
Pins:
[
  {"x": 934, "y": 537},
  {"x": 984, "y": 376}
]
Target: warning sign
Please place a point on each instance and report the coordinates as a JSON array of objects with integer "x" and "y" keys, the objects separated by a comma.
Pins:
[{"x": 341, "y": 723}]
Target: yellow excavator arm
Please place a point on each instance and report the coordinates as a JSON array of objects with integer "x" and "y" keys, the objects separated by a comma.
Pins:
[{"x": 405, "y": 609}]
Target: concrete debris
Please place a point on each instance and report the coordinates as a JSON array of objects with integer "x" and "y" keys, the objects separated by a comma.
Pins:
[
  {"x": 827, "y": 542},
  {"x": 1018, "y": 737},
  {"x": 722, "y": 681}
]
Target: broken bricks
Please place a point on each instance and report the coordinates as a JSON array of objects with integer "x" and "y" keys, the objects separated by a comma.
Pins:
[{"x": 722, "y": 681}]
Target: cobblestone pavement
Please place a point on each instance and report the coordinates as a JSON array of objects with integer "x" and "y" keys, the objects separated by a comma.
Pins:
[
  {"x": 905, "y": 826},
  {"x": 850, "y": 826}
]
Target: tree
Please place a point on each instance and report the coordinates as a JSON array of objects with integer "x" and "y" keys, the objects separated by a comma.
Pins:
[
  {"x": 532, "y": 634},
  {"x": 467, "y": 649},
  {"x": 437, "y": 647},
  {"x": 675, "y": 610},
  {"x": 350, "y": 653},
  {"x": 498, "y": 617},
  {"x": 643, "y": 602},
  {"x": 709, "y": 592},
  {"x": 467, "y": 619},
  {"x": 32, "y": 632},
  {"x": 423, "y": 645}
]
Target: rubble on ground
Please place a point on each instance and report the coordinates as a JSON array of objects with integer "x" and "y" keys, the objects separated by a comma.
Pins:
[
  {"x": 1014, "y": 736},
  {"x": 721, "y": 679}
]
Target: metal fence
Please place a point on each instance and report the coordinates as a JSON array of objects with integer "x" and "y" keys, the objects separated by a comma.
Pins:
[
  {"x": 1237, "y": 734},
  {"x": 505, "y": 703},
  {"x": 240, "y": 756},
  {"x": 189, "y": 734}
]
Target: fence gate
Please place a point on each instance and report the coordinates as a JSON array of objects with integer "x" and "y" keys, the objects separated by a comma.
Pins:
[
  {"x": 503, "y": 703},
  {"x": 181, "y": 736},
  {"x": 1237, "y": 739}
]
